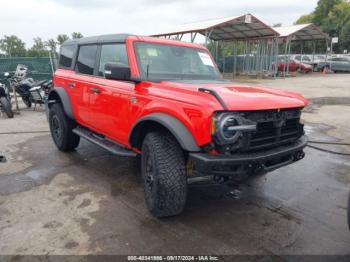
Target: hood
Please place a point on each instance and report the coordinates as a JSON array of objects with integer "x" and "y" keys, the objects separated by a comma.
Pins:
[{"x": 242, "y": 97}]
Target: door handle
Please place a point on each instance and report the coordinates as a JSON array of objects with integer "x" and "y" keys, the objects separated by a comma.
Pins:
[
  {"x": 95, "y": 90},
  {"x": 71, "y": 85}
]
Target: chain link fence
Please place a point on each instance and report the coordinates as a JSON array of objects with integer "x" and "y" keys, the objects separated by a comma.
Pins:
[{"x": 41, "y": 68}]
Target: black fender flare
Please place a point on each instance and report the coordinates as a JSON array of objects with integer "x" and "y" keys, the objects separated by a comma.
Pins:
[
  {"x": 61, "y": 94},
  {"x": 176, "y": 128}
]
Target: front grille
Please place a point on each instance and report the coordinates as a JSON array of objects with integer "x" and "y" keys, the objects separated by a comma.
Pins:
[{"x": 274, "y": 128}]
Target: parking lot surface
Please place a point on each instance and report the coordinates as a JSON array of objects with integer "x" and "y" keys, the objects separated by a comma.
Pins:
[{"x": 90, "y": 202}]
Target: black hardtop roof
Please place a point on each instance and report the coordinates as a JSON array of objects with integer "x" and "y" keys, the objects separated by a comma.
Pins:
[{"x": 98, "y": 39}]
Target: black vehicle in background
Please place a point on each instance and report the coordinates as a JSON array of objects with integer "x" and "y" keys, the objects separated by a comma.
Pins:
[
  {"x": 27, "y": 88},
  {"x": 5, "y": 100},
  {"x": 19, "y": 81}
]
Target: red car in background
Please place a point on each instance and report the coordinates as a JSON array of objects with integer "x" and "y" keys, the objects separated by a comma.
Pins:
[{"x": 291, "y": 65}]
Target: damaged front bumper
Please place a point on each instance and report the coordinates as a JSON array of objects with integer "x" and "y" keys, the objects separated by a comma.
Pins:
[{"x": 232, "y": 166}]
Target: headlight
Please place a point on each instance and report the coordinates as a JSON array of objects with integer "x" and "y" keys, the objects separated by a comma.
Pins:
[{"x": 227, "y": 128}]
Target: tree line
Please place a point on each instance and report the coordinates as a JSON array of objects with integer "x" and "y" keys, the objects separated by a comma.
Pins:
[
  {"x": 13, "y": 46},
  {"x": 333, "y": 17}
]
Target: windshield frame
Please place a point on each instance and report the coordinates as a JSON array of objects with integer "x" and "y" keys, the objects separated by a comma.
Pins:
[{"x": 165, "y": 78}]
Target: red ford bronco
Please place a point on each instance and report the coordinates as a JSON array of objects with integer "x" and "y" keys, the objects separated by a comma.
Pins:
[{"x": 166, "y": 101}]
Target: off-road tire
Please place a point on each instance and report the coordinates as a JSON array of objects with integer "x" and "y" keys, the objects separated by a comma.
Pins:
[
  {"x": 61, "y": 129},
  {"x": 164, "y": 174},
  {"x": 6, "y": 106}
]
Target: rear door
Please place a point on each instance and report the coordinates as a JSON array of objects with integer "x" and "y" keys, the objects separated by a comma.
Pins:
[
  {"x": 110, "y": 99},
  {"x": 63, "y": 75},
  {"x": 336, "y": 64},
  {"x": 82, "y": 82},
  {"x": 347, "y": 65},
  {"x": 344, "y": 64}
]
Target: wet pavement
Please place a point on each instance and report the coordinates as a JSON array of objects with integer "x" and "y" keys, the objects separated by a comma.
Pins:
[{"x": 91, "y": 202}]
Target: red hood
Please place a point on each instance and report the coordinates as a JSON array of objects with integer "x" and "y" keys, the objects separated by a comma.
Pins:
[{"x": 242, "y": 97}]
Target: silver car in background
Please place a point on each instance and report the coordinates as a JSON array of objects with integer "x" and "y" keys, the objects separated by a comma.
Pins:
[{"x": 336, "y": 64}]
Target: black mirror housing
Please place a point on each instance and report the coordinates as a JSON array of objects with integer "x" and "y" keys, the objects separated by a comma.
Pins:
[{"x": 116, "y": 71}]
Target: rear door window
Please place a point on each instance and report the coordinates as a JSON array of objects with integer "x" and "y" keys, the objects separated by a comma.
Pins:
[
  {"x": 298, "y": 57},
  {"x": 343, "y": 59},
  {"x": 86, "y": 59},
  {"x": 112, "y": 53},
  {"x": 306, "y": 59}
]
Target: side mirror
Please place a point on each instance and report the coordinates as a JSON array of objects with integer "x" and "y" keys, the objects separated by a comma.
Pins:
[
  {"x": 6, "y": 74},
  {"x": 115, "y": 71}
]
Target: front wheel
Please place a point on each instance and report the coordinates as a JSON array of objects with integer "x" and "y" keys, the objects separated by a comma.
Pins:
[
  {"x": 6, "y": 106},
  {"x": 164, "y": 174}
]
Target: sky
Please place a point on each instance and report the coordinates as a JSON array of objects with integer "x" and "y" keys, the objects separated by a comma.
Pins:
[{"x": 48, "y": 18}]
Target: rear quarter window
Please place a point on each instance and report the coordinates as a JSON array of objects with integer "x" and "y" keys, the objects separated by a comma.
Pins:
[{"x": 66, "y": 56}]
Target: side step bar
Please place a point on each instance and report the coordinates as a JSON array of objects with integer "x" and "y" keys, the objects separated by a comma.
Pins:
[{"x": 102, "y": 142}]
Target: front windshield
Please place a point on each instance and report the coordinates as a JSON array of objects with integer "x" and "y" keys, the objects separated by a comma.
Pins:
[{"x": 170, "y": 62}]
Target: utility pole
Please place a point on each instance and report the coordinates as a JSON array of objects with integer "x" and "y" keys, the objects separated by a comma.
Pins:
[{"x": 333, "y": 41}]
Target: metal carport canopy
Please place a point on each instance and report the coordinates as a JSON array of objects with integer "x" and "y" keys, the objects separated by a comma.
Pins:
[
  {"x": 243, "y": 27},
  {"x": 303, "y": 32}
]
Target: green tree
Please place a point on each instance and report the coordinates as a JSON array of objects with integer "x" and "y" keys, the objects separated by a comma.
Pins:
[
  {"x": 51, "y": 45},
  {"x": 323, "y": 8},
  {"x": 305, "y": 19},
  {"x": 12, "y": 46},
  {"x": 340, "y": 18},
  {"x": 345, "y": 37},
  {"x": 76, "y": 35},
  {"x": 62, "y": 38},
  {"x": 38, "y": 49},
  {"x": 225, "y": 49},
  {"x": 333, "y": 17}
]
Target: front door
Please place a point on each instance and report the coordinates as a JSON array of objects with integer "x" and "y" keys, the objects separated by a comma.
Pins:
[{"x": 110, "y": 99}]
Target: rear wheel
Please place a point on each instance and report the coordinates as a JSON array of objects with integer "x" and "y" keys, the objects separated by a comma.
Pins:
[
  {"x": 61, "y": 129},
  {"x": 164, "y": 175},
  {"x": 6, "y": 106}
]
